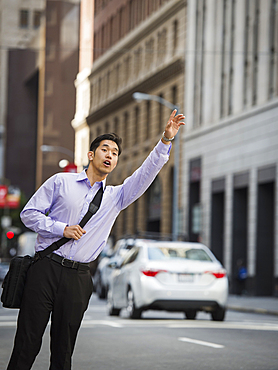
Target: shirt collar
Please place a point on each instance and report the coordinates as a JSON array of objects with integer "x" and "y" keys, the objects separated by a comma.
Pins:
[{"x": 83, "y": 176}]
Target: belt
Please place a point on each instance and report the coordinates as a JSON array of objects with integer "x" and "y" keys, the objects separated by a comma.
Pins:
[{"x": 68, "y": 263}]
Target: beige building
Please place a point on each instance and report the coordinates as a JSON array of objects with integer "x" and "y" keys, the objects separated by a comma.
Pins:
[
  {"x": 230, "y": 177},
  {"x": 139, "y": 46},
  {"x": 19, "y": 29}
]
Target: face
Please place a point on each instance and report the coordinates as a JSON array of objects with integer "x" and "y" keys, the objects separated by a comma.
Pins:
[{"x": 105, "y": 158}]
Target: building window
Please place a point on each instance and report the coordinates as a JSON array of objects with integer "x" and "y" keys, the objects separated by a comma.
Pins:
[
  {"x": 36, "y": 19},
  {"x": 106, "y": 127},
  {"x": 149, "y": 53},
  {"x": 98, "y": 131},
  {"x": 116, "y": 125},
  {"x": 162, "y": 45},
  {"x": 148, "y": 119},
  {"x": 246, "y": 45},
  {"x": 136, "y": 129},
  {"x": 272, "y": 48},
  {"x": 137, "y": 61},
  {"x": 175, "y": 36},
  {"x": 160, "y": 115},
  {"x": 255, "y": 52},
  {"x": 126, "y": 124},
  {"x": 24, "y": 18},
  {"x": 174, "y": 95}
]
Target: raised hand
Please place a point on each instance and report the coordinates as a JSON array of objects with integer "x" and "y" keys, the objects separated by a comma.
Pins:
[{"x": 173, "y": 124}]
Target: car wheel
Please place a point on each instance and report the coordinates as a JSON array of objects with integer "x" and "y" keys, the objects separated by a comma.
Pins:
[
  {"x": 218, "y": 314},
  {"x": 190, "y": 314},
  {"x": 133, "y": 312},
  {"x": 100, "y": 290},
  {"x": 112, "y": 311}
]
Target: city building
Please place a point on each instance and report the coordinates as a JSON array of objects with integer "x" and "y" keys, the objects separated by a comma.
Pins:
[
  {"x": 20, "y": 32},
  {"x": 137, "y": 46},
  {"x": 56, "y": 97},
  {"x": 230, "y": 144},
  {"x": 39, "y": 62}
]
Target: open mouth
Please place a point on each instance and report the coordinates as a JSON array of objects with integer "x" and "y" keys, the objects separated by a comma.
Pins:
[{"x": 107, "y": 163}]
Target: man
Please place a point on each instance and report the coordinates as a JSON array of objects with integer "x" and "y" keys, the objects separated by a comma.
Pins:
[{"x": 60, "y": 284}]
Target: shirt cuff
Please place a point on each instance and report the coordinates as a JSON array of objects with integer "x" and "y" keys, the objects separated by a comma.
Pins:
[
  {"x": 163, "y": 148},
  {"x": 58, "y": 228}
]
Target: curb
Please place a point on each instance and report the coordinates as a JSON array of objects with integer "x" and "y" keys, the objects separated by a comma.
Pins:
[{"x": 261, "y": 311}]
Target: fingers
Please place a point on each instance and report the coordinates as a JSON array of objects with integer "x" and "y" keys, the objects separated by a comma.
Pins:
[{"x": 74, "y": 232}]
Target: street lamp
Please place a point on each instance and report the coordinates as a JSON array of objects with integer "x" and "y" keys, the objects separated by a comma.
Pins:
[
  {"x": 61, "y": 149},
  {"x": 175, "y": 220}
]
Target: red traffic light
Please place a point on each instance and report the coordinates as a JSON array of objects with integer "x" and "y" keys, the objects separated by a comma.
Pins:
[{"x": 10, "y": 234}]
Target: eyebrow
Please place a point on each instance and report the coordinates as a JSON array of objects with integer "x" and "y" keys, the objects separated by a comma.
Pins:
[{"x": 109, "y": 147}]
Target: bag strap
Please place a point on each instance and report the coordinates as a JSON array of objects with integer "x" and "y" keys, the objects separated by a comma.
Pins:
[{"x": 93, "y": 208}]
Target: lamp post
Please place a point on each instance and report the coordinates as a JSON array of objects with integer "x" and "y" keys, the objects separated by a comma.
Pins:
[
  {"x": 61, "y": 149},
  {"x": 175, "y": 219}
]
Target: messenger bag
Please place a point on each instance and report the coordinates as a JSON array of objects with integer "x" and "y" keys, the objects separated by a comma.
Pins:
[{"x": 14, "y": 281}]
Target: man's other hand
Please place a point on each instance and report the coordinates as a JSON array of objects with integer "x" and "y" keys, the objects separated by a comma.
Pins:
[{"x": 74, "y": 232}]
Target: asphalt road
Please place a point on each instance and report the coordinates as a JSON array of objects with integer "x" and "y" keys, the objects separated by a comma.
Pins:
[{"x": 161, "y": 340}]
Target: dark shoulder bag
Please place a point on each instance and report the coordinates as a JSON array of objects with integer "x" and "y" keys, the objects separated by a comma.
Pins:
[{"x": 14, "y": 282}]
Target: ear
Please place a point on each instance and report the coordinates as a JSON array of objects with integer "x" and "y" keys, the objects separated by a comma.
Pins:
[{"x": 90, "y": 155}]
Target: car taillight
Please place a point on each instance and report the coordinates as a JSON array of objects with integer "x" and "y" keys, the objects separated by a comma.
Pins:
[
  {"x": 152, "y": 273},
  {"x": 218, "y": 274}
]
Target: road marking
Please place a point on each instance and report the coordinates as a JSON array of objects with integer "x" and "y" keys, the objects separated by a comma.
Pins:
[
  {"x": 8, "y": 323},
  {"x": 200, "y": 342},
  {"x": 225, "y": 325},
  {"x": 89, "y": 323}
]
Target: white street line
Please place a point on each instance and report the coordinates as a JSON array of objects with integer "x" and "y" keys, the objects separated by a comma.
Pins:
[
  {"x": 202, "y": 343},
  {"x": 101, "y": 322},
  {"x": 8, "y": 323}
]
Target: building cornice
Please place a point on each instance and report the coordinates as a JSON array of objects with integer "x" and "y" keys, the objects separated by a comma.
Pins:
[
  {"x": 139, "y": 33},
  {"x": 175, "y": 68},
  {"x": 227, "y": 121}
]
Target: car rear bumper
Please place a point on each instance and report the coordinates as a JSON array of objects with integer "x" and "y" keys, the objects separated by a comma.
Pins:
[
  {"x": 183, "y": 305},
  {"x": 153, "y": 294}
]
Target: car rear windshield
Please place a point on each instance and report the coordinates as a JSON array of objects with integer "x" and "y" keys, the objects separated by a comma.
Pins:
[{"x": 162, "y": 253}]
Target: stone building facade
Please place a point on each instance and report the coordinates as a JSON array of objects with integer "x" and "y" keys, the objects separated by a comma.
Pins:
[
  {"x": 230, "y": 178},
  {"x": 138, "y": 47}
]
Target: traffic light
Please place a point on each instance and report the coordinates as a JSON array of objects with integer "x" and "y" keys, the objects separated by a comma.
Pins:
[{"x": 10, "y": 234}]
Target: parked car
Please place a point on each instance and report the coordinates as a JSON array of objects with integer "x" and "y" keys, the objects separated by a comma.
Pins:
[
  {"x": 104, "y": 269},
  {"x": 171, "y": 276}
]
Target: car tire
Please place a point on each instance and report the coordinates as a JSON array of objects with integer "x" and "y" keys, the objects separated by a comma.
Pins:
[
  {"x": 111, "y": 310},
  {"x": 190, "y": 314},
  {"x": 218, "y": 314},
  {"x": 101, "y": 291},
  {"x": 133, "y": 312}
]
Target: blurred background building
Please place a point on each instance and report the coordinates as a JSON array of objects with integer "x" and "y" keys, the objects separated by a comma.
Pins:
[
  {"x": 231, "y": 142},
  {"x": 138, "y": 46},
  {"x": 39, "y": 54}
]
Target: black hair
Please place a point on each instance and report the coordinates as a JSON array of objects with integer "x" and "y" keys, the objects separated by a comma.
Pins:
[{"x": 112, "y": 136}]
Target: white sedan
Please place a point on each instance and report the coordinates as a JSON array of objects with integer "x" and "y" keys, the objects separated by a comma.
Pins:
[{"x": 171, "y": 276}]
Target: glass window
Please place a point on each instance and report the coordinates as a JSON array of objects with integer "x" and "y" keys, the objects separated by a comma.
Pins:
[
  {"x": 36, "y": 19},
  {"x": 161, "y": 253},
  {"x": 24, "y": 18},
  {"x": 131, "y": 257}
]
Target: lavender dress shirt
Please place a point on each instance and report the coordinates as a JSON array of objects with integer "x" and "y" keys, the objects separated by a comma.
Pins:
[{"x": 65, "y": 198}]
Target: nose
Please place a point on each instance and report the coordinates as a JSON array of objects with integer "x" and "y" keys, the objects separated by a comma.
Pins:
[{"x": 108, "y": 155}]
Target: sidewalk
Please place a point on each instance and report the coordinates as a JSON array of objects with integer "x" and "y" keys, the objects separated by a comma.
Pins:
[{"x": 262, "y": 305}]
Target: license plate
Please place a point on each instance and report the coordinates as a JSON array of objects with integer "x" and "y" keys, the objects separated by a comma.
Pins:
[{"x": 186, "y": 278}]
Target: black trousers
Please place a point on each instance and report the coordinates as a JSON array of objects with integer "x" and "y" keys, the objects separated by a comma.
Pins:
[{"x": 63, "y": 293}]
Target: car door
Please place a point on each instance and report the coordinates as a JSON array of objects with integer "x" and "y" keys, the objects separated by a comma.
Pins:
[{"x": 121, "y": 278}]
